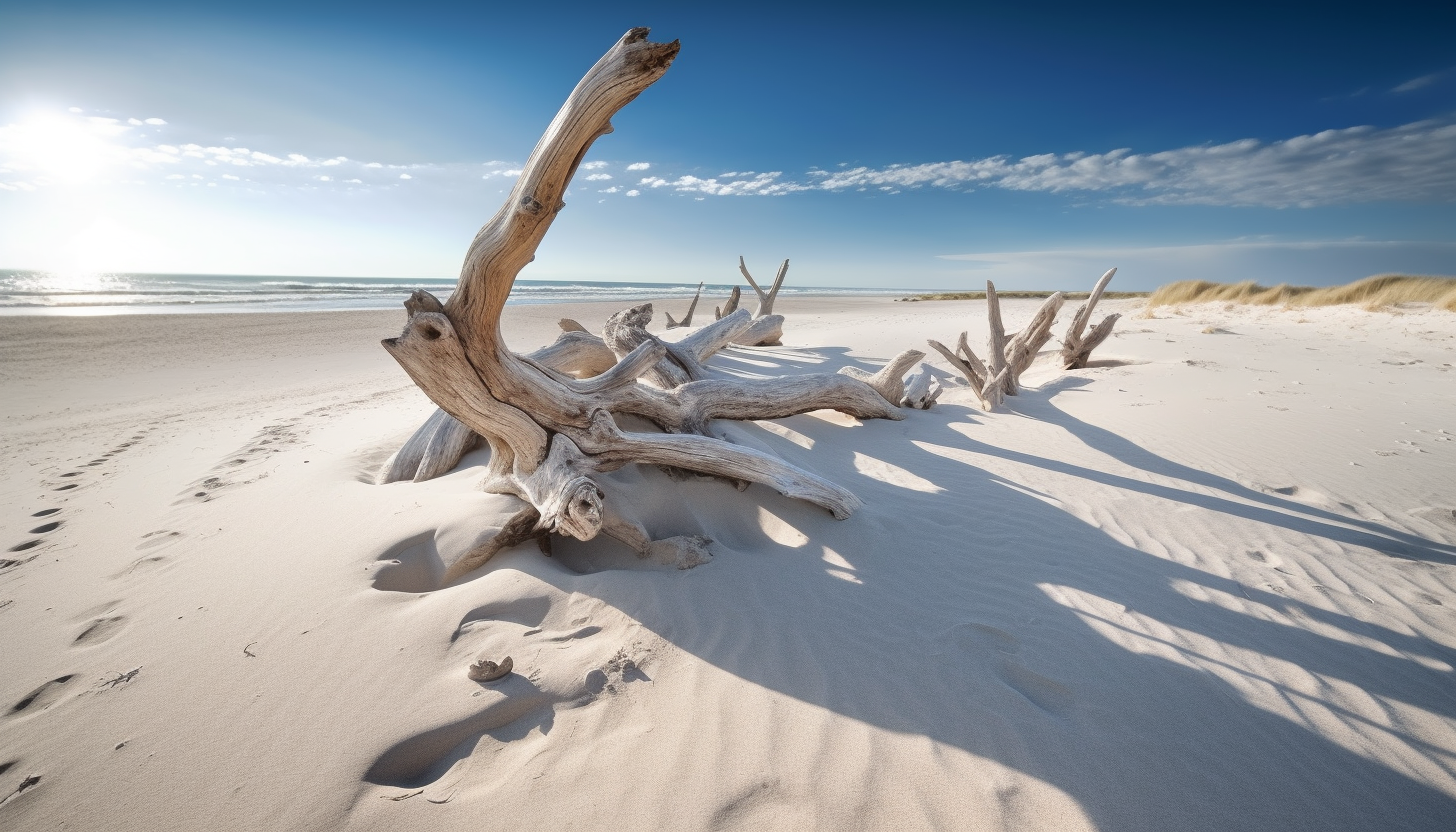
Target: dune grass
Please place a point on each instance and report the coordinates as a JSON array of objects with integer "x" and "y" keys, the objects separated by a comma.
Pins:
[{"x": 1375, "y": 292}]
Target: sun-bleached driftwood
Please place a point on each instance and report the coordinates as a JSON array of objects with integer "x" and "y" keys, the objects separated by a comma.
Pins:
[
  {"x": 688, "y": 318},
  {"x": 768, "y": 328},
  {"x": 549, "y": 431},
  {"x": 1077, "y": 347},
  {"x": 922, "y": 388},
  {"x": 728, "y": 308},
  {"x": 1007, "y": 357},
  {"x": 765, "y": 299}
]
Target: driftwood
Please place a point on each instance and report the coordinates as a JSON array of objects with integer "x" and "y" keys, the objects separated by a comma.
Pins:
[
  {"x": 921, "y": 390},
  {"x": 1076, "y": 347},
  {"x": 768, "y": 328},
  {"x": 688, "y": 318},
  {"x": 551, "y": 423},
  {"x": 729, "y": 307},
  {"x": 1006, "y": 357}
]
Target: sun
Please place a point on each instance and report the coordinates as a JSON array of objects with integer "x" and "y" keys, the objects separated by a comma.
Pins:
[{"x": 59, "y": 147}]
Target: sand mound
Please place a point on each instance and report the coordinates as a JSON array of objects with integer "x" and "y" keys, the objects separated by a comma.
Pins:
[{"x": 1375, "y": 292}]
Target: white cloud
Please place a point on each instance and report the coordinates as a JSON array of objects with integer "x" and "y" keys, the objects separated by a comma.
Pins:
[
  {"x": 405, "y": 176},
  {"x": 634, "y": 192},
  {"x": 230, "y": 176},
  {"x": 598, "y": 177},
  {"x": 593, "y": 165},
  {"x": 1413, "y": 162},
  {"x": 155, "y": 121},
  {"x": 611, "y": 190},
  {"x": 639, "y": 166},
  {"x": 1417, "y": 83}
]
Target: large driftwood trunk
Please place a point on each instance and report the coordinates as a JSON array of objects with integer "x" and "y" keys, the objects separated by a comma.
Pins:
[{"x": 550, "y": 431}]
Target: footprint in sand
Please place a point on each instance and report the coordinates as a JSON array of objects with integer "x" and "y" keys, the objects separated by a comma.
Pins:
[
  {"x": 45, "y": 512},
  {"x": 985, "y": 644},
  {"x": 22, "y": 546},
  {"x": 143, "y": 565},
  {"x": 42, "y": 697},
  {"x": 161, "y": 537},
  {"x": 46, "y": 527},
  {"x": 100, "y": 630}
]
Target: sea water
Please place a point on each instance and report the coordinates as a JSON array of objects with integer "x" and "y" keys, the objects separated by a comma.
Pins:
[{"x": 56, "y": 293}]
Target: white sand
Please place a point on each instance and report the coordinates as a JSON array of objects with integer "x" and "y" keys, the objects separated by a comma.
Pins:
[{"x": 1206, "y": 584}]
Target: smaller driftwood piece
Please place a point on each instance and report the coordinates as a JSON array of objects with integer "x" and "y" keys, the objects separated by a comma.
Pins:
[
  {"x": 767, "y": 329},
  {"x": 727, "y": 309},
  {"x": 688, "y": 318},
  {"x": 1076, "y": 347},
  {"x": 1006, "y": 357}
]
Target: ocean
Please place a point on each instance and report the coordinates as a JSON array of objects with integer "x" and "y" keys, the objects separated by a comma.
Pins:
[{"x": 54, "y": 293}]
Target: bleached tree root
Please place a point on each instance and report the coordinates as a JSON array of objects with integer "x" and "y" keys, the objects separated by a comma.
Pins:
[
  {"x": 550, "y": 418},
  {"x": 1007, "y": 357},
  {"x": 1076, "y": 347}
]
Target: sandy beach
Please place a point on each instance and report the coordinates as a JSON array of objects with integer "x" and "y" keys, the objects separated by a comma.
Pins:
[{"x": 1208, "y": 583}]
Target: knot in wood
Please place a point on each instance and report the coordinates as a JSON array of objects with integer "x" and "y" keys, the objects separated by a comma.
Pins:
[
  {"x": 530, "y": 205},
  {"x": 431, "y": 326},
  {"x": 579, "y": 510}
]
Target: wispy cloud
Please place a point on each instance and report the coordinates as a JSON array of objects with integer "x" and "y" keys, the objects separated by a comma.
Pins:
[
  {"x": 1412, "y": 163},
  {"x": 1420, "y": 83},
  {"x": 1144, "y": 267}
]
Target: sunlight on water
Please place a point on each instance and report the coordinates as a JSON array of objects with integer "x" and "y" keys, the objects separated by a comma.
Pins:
[{"x": 81, "y": 292}]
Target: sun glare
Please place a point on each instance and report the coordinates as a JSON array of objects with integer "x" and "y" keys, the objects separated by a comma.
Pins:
[{"x": 65, "y": 148}]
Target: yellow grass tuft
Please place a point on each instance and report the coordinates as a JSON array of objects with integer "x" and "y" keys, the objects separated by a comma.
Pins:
[{"x": 1375, "y": 292}]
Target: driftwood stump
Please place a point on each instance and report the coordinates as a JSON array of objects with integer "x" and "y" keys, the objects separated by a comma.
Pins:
[
  {"x": 767, "y": 328},
  {"x": 1007, "y": 357},
  {"x": 688, "y": 318},
  {"x": 1076, "y": 347},
  {"x": 550, "y": 418}
]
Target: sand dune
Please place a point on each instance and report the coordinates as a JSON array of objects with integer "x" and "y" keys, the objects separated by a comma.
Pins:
[
  {"x": 1377, "y": 292},
  {"x": 1207, "y": 583}
]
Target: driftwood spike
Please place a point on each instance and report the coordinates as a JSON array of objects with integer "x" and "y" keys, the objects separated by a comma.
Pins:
[
  {"x": 765, "y": 299},
  {"x": 1076, "y": 347},
  {"x": 729, "y": 307},
  {"x": 1007, "y": 357},
  {"x": 688, "y": 318}
]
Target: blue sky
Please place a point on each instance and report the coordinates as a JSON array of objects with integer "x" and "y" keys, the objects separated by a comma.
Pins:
[{"x": 896, "y": 145}]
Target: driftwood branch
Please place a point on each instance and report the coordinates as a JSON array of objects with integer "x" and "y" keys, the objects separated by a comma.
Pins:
[
  {"x": 688, "y": 318},
  {"x": 1007, "y": 357},
  {"x": 729, "y": 307},
  {"x": 1076, "y": 347},
  {"x": 765, "y": 299}
]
